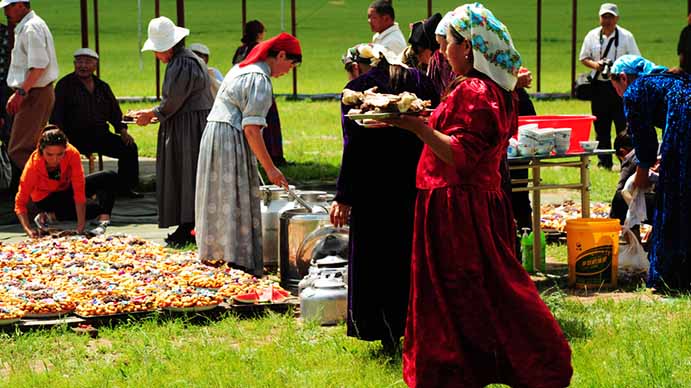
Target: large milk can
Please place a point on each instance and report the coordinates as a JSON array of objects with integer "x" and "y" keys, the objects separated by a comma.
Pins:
[
  {"x": 295, "y": 225},
  {"x": 274, "y": 202}
]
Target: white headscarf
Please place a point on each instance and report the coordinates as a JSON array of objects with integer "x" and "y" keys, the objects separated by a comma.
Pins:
[
  {"x": 444, "y": 24},
  {"x": 493, "y": 50},
  {"x": 374, "y": 52}
]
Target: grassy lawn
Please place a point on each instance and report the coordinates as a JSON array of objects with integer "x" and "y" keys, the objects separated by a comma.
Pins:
[{"x": 631, "y": 343}]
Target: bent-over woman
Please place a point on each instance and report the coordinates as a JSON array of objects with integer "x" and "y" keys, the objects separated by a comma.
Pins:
[
  {"x": 53, "y": 178},
  {"x": 228, "y": 217}
]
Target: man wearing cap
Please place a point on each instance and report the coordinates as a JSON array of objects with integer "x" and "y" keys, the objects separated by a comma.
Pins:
[
  {"x": 215, "y": 75},
  {"x": 381, "y": 18},
  {"x": 33, "y": 69},
  {"x": 84, "y": 105},
  {"x": 606, "y": 105}
]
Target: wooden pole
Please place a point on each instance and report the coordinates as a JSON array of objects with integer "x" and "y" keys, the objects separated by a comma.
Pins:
[
  {"x": 157, "y": 13},
  {"x": 244, "y": 15},
  {"x": 429, "y": 8},
  {"x": 293, "y": 31},
  {"x": 574, "y": 20},
  {"x": 84, "y": 22},
  {"x": 181, "y": 14},
  {"x": 539, "y": 43},
  {"x": 97, "y": 43}
]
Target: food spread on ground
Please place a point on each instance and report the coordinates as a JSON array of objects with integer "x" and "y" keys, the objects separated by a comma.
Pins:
[
  {"x": 554, "y": 216},
  {"x": 115, "y": 274},
  {"x": 372, "y": 103}
]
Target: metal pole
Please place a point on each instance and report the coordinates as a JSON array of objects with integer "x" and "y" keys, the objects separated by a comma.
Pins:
[
  {"x": 429, "y": 8},
  {"x": 244, "y": 14},
  {"x": 574, "y": 20},
  {"x": 539, "y": 43},
  {"x": 293, "y": 31},
  {"x": 157, "y": 13},
  {"x": 85, "y": 23},
  {"x": 97, "y": 43}
]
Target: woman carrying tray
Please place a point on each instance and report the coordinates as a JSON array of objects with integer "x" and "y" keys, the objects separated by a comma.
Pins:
[
  {"x": 186, "y": 101},
  {"x": 655, "y": 98},
  {"x": 53, "y": 179},
  {"x": 376, "y": 191},
  {"x": 475, "y": 317},
  {"x": 228, "y": 218}
]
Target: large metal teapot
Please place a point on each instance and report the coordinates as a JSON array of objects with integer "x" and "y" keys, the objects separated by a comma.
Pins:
[
  {"x": 326, "y": 300},
  {"x": 323, "y": 266}
]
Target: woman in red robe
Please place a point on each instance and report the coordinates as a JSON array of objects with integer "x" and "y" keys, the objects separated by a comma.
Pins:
[{"x": 474, "y": 317}]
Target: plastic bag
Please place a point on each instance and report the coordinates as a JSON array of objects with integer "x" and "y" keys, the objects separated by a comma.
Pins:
[
  {"x": 5, "y": 169},
  {"x": 635, "y": 198},
  {"x": 632, "y": 256}
]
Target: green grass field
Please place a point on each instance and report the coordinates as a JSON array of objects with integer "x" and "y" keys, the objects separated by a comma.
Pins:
[{"x": 328, "y": 27}]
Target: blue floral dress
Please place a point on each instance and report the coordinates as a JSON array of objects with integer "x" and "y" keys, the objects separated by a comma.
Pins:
[{"x": 664, "y": 101}]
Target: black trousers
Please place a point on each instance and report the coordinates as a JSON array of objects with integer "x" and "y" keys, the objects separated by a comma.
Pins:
[
  {"x": 102, "y": 184},
  {"x": 607, "y": 106},
  {"x": 111, "y": 145}
]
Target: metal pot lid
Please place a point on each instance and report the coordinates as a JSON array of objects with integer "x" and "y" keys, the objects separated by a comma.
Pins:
[
  {"x": 329, "y": 282},
  {"x": 331, "y": 261},
  {"x": 310, "y": 217}
]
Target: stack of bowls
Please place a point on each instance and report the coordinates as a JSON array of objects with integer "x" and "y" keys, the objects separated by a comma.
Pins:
[
  {"x": 545, "y": 141},
  {"x": 562, "y": 140},
  {"x": 527, "y": 139}
]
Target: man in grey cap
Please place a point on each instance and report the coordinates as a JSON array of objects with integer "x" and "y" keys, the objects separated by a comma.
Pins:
[
  {"x": 84, "y": 105},
  {"x": 33, "y": 69},
  {"x": 215, "y": 75},
  {"x": 602, "y": 46}
]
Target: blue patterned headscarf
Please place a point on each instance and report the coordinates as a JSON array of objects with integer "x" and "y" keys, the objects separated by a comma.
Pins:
[
  {"x": 635, "y": 64},
  {"x": 493, "y": 50}
]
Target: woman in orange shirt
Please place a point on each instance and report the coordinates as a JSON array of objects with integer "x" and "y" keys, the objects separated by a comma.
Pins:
[{"x": 53, "y": 179}]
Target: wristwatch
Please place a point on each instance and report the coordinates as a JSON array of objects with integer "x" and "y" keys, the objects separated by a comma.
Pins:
[{"x": 21, "y": 92}]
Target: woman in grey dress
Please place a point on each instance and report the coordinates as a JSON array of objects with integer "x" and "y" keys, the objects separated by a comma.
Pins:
[
  {"x": 186, "y": 101},
  {"x": 228, "y": 219}
]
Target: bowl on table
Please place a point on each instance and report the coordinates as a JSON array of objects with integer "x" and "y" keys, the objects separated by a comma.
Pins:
[
  {"x": 526, "y": 149},
  {"x": 562, "y": 140},
  {"x": 589, "y": 146}
]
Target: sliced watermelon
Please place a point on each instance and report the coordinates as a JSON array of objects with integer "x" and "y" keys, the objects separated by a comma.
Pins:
[
  {"x": 278, "y": 295},
  {"x": 248, "y": 298}
]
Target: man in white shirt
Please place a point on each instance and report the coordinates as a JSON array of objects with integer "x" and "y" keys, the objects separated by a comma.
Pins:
[
  {"x": 33, "y": 69},
  {"x": 381, "y": 18},
  {"x": 606, "y": 105}
]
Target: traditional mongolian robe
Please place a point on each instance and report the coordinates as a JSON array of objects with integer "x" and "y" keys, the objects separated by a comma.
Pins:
[
  {"x": 377, "y": 179},
  {"x": 186, "y": 101},
  {"x": 475, "y": 316},
  {"x": 664, "y": 101}
]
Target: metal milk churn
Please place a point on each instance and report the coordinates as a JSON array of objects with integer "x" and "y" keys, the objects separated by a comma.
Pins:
[
  {"x": 295, "y": 225},
  {"x": 273, "y": 203},
  {"x": 326, "y": 300}
]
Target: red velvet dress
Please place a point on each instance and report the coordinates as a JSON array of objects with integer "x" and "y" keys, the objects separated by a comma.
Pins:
[{"x": 474, "y": 316}]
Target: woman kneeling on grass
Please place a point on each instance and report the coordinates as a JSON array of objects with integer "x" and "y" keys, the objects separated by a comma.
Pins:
[
  {"x": 53, "y": 179},
  {"x": 475, "y": 317},
  {"x": 228, "y": 217}
]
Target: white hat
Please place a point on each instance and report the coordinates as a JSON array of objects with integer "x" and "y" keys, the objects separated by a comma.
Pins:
[
  {"x": 199, "y": 48},
  {"x": 609, "y": 8},
  {"x": 86, "y": 52},
  {"x": 163, "y": 35},
  {"x": 5, "y": 3}
]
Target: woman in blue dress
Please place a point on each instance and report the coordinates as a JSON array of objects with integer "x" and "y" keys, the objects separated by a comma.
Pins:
[{"x": 656, "y": 98}]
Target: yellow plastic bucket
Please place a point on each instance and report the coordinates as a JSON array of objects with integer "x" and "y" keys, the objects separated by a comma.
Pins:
[{"x": 593, "y": 245}]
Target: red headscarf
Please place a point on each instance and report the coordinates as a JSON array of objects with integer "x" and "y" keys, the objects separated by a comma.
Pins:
[{"x": 281, "y": 42}]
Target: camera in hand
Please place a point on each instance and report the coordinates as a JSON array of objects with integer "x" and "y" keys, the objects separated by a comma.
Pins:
[{"x": 606, "y": 67}]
